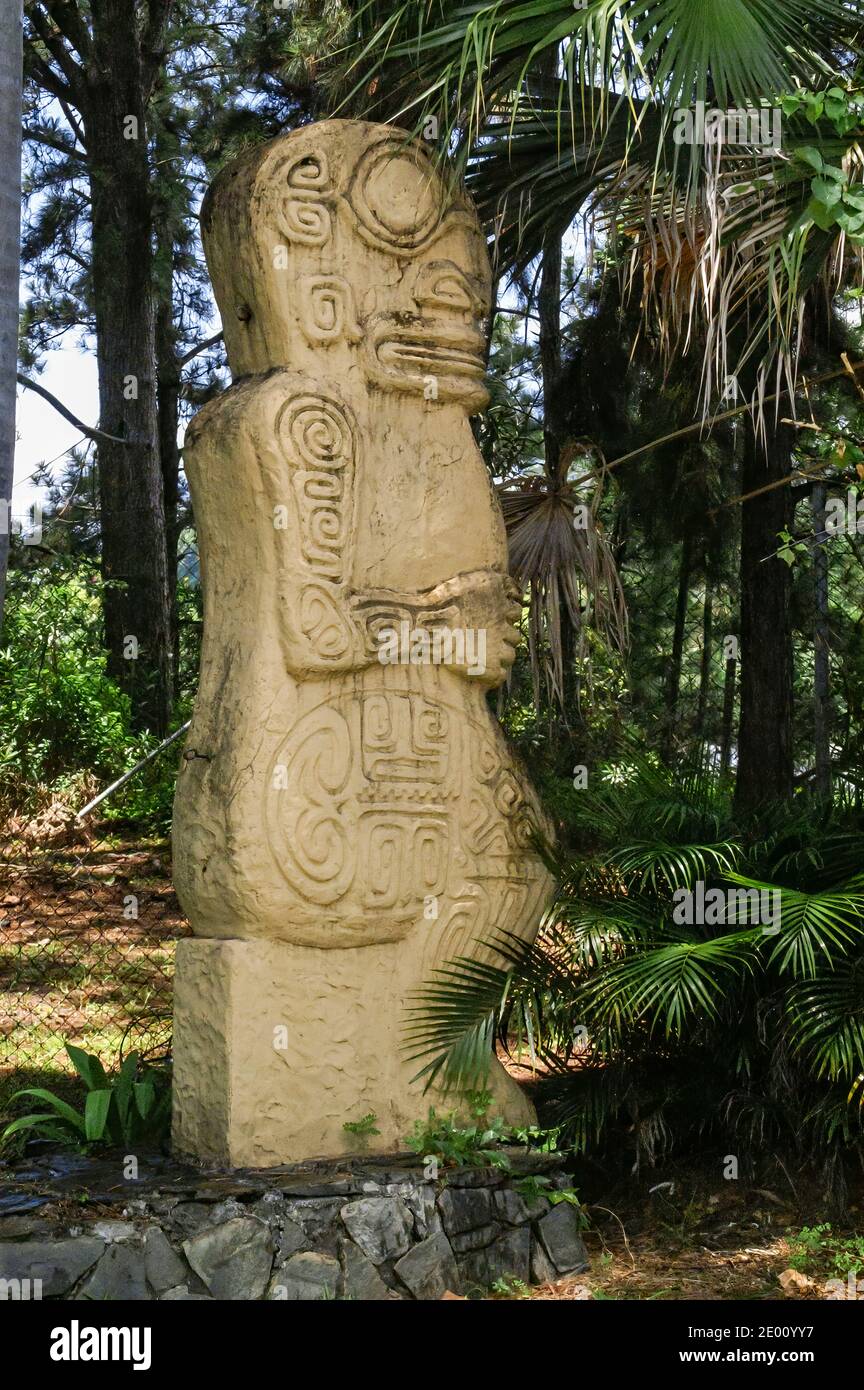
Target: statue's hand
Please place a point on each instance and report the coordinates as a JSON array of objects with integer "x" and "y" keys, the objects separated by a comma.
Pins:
[{"x": 487, "y": 610}]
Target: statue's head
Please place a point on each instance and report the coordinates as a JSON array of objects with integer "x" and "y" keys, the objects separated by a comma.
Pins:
[{"x": 339, "y": 250}]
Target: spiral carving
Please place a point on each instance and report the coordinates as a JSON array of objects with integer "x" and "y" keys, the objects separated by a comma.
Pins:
[
  {"x": 309, "y": 173},
  {"x": 306, "y": 222},
  {"x": 318, "y": 432}
]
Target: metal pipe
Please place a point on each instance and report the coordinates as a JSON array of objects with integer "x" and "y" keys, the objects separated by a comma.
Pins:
[{"x": 126, "y": 775}]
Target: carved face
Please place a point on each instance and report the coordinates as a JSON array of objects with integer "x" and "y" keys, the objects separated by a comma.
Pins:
[{"x": 356, "y": 258}]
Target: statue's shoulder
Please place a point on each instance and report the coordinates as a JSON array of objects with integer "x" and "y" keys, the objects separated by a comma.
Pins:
[{"x": 256, "y": 402}]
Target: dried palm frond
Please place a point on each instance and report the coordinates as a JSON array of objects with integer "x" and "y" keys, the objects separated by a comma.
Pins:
[{"x": 558, "y": 551}]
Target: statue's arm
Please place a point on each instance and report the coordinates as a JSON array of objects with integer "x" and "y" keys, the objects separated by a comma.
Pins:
[
  {"x": 309, "y": 456},
  {"x": 472, "y": 620}
]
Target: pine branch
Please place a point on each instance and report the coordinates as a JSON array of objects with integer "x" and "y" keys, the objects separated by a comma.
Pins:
[
  {"x": 199, "y": 347},
  {"x": 50, "y": 37},
  {"x": 67, "y": 414},
  {"x": 47, "y": 137}
]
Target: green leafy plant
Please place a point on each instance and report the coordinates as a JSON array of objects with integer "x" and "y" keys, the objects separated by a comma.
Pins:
[
  {"x": 132, "y": 1107},
  {"x": 655, "y": 1033},
  {"x": 533, "y": 1186},
  {"x": 510, "y": 1287},
  {"x": 471, "y": 1146},
  {"x": 568, "y": 1195},
  {"x": 820, "y": 1250},
  {"x": 364, "y": 1128}
]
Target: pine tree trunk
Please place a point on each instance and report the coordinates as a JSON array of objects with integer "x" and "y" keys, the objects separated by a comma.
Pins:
[
  {"x": 549, "y": 342},
  {"x": 705, "y": 667},
  {"x": 728, "y": 715},
  {"x": 10, "y": 226},
  {"x": 765, "y": 766},
  {"x": 673, "y": 680},
  {"x": 168, "y": 403},
  {"x": 821, "y": 646},
  {"x": 134, "y": 553}
]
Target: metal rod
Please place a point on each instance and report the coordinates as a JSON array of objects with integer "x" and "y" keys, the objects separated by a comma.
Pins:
[{"x": 126, "y": 775}]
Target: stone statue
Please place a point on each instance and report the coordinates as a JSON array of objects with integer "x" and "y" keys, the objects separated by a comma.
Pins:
[{"x": 348, "y": 816}]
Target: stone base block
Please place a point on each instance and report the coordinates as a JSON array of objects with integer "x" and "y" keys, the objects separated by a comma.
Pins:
[{"x": 276, "y": 1047}]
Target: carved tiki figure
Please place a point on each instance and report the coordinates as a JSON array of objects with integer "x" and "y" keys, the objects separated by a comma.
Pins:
[{"x": 342, "y": 826}]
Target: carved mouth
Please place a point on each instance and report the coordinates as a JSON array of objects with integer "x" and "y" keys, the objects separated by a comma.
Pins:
[{"x": 422, "y": 356}]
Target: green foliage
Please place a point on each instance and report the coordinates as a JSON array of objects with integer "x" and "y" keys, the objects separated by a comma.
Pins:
[
  {"x": 508, "y": 1286},
  {"x": 473, "y": 1146},
  {"x": 654, "y": 1031},
  {"x": 536, "y": 1185},
  {"x": 60, "y": 711},
  {"x": 132, "y": 1107},
  {"x": 363, "y": 1128},
  {"x": 65, "y": 726},
  {"x": 820, "y": 1250}
]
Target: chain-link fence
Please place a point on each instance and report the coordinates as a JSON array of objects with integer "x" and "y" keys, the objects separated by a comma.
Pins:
[{"x": 88, "y": 924}]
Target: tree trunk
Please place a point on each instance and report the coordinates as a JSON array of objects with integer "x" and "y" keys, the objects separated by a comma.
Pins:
[
  {"x": 168, "y": 404},
  {"x": 549, "y": 342},
  {"x": 705, "y": 667},
  {"x": 134, "y": 555},
  {"x": 11, "y": 46},
  {"x": 765, "y": 761},
  {"x": 728, "y": 716},
  {"x": 821, "y": 645},
  {"x": 673, "y": 679}
]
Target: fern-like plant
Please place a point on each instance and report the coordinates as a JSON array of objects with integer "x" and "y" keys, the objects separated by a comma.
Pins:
[{"x": 648, "y": 1030}]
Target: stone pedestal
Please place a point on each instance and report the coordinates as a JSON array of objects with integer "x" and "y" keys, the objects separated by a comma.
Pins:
[{"x": 277, "y": 1046}]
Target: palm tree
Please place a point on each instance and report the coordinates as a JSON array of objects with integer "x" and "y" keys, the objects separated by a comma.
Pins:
[
  {"x": 653, "y": 1028},
  {"x": 11, "y": 62},
  {"x": 723, "y": 243},
  {"x": 604, "y": 128}
]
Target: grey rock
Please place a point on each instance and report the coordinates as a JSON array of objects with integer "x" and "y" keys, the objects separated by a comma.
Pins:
[
  {"x": 560, "y": 1232},
  {"x": 429, "y": 1270},
  {"x": 332, "y": 1187},
  {"x": 234, "y": 1259},
  {"x": 318, "y": 1217},
  {"x": 476, "y": 1177},
  {"x": 509, "y": 1257},
  {"x": 17, "y": 1203},
  {"x": 118, "y": 1277},
  {"x": 269, "y": 1208},
  {"x": 137, "y": 1207},
  {"x": 20, "y": 1227},
  {"x": 513, "y": 1208},
  {"x": 419, "y": 1198},
  {"x": 289, "y": 1239},
  {"x": 164, "y": 1206},
  {"x": 464, "y": 1209},
  {"x": 542, "y": 1269},
  {"x": 381, "y": 1226},
  {"x": 162, "y": 1265},
  {"x": 191, "y": 1217},
  {"x": 537, "y": 1206},
  {"x": 475, "y": 1240},
  {"x": 226, "y": 1211},
  {"x": 58, "y": 1263},
  {"x": 360, "y": 1279},
  {"x": 306, "y": 1278},
  {"x": 181, "y": 1294},
  {"x": 288, "y": 1235},
  {"x": 510, "y": 1206},
  {"x": 111, "y": 1231}
]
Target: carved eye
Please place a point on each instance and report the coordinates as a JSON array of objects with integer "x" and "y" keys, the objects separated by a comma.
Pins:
[
  {"x": 396, "y": 195},
  {"x": 443, "y": 283},
  {"x": 449, "y": 290}
]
